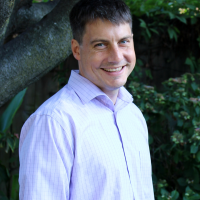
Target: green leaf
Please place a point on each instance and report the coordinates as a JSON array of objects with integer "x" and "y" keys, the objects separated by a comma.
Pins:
[
  {"x": 162, "y": 24},
  {"x": 182, "y": 19},
  {"x": 150, "y": 139},
  {"x": 9, "y": 113},
  {"x": 139, "y": 62},
  {"x": 193, "y": 149},
  {"x": 159, "y": 198},
  {"x": 176, "y": 157},
  {"x": 182, "y": 181},
  {"x": 164, "y": 192},
  {"x": 197, "y": 109},
  {"x": 172, "y": 33},
  {"x": 191, "y": 6},
  {"x": 15, "y": 187},
  {"x": 171, "y": 15},
  {"x": 180, "y": 122},
  {"x": 143, "y": 24},
  {"x": 198, "y": 40},
  {"x": 11, "y": 143},
  {"x": 190, "y": 63},
  {"x": 196, "y": 175},
  {"x": 193, "y": 20},
  {"x": 174, "y": 195},
  {"x": 179, "y": 1},
  {"x": 187, "y": 189},
  {"x": 198, "y": 156},
  {"x": 177, "y": 106},
  {"x": 194, "y": 86},
  {"x": 196, "y": 186},
  {"x": 154, "y": 30},
  {"x": 148, "y": 73},
  {"x": 154, "y": 178},
  {"x": 176, "y": 29},
  {"x": 194, "y": 197},
  {"x": 148, "y": 32},
  {"x": 3, "y": 173}
]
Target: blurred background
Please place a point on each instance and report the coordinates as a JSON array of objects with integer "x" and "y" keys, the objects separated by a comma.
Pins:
[{"x": 164, "y": 84}]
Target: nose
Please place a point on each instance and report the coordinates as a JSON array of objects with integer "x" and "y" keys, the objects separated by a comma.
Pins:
[{"x": 115, "y": 54}]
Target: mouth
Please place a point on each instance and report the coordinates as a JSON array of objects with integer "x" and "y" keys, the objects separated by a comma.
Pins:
[{"x": 114, "y": 69}]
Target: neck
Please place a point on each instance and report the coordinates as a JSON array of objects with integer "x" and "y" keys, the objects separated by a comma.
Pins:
[{"x": 112, "y": 94}]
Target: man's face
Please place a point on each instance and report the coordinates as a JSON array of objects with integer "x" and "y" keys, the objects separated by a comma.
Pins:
[{"x": 106, "y": 56}]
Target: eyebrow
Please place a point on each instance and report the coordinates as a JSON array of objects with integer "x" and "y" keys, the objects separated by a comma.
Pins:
[{"x": 103, "y": 40}]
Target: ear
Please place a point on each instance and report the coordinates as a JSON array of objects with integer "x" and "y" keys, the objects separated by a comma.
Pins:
[{"x": 75, "y": 49}]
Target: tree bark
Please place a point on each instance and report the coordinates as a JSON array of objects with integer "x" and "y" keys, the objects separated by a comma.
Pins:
[
  {"x": 8, "y": 10},
  {"x": 28, "y": 16},
  {"x": 35, "y": 52}
]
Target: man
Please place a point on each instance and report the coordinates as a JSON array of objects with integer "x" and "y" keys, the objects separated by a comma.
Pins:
[{"x": 89, "y": 141}]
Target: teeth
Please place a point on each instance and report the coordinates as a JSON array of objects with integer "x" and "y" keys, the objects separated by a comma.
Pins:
[{"x": 113, "y": 70}]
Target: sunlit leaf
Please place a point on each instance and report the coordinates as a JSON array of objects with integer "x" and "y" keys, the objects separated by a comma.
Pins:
[{"x": 9, "y": 113}]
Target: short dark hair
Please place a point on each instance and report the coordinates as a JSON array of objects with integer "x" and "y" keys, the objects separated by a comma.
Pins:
[{"x": 85, "y": 11}]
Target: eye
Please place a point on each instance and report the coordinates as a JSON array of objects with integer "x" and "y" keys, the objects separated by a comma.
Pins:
[
  {"x": 99, "y": 45},
  {"x": 124, "y": 41}
]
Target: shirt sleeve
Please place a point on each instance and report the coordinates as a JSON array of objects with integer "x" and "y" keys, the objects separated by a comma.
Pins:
[{"x": 45, "y": 166}]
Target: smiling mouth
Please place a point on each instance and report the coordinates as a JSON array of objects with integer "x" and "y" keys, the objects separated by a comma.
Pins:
[{"x": 113, "y": 70}]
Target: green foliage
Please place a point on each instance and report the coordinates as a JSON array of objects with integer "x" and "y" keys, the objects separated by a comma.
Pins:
[
  {"x": 9, "y": 142},
  {"x": 173, "y": 118},
  {"x": 193, "y": 63},
  {"x": 163, "y": 13},
  {"x": 39, "y": 1},
  {"x": 174, "y": 9},
  {"x": 173, "y": 113}
]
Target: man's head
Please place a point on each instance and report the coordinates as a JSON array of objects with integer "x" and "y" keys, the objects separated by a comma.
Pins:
[
  {"x": 86, "y": 11},
  {"x": 103, "y": 43}
]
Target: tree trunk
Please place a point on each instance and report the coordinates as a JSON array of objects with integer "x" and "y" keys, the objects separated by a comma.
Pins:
[{"x": 32, "y": 54}]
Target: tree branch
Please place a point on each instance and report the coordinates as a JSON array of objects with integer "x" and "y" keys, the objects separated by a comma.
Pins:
[
  {"x": 6, "y": 10},
  {"x": 28, "y": 16},
  {"x": 35, "y": 52},
  {"x": 21, "y": 15}
]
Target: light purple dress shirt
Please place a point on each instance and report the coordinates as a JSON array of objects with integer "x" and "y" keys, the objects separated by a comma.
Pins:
[{"x": 79, "y": 146}]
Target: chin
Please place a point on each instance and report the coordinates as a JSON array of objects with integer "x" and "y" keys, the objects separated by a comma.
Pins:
[
  {"x": 117, "y": 86},
  {"x": 121, "y": 83}
]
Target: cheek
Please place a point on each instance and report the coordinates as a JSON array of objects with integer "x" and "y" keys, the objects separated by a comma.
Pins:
[
  {"x": 130, "y": 56},
  {"x": 97, "y": 60}
]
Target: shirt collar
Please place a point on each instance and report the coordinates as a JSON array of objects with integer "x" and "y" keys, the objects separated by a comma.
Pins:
[{"x": 87, "y": 91}]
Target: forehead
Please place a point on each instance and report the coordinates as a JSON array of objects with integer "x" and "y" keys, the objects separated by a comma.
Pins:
[{"x": 106, "y": 29}]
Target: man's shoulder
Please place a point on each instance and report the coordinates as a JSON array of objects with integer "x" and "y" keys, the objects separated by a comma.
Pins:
[
  {"x": 62, "y": 101},
  {"x": 62, "y": 104}
]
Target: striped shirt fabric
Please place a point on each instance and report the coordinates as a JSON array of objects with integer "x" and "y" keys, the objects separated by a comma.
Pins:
[{"x": 79, "y": 146}]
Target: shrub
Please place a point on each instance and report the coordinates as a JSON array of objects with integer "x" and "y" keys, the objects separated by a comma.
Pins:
[{"x": 173, "y": 118}]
